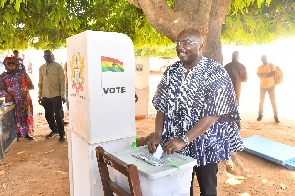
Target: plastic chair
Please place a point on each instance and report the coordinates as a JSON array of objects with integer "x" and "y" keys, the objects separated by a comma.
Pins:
[{"x": 129, "y": 170}]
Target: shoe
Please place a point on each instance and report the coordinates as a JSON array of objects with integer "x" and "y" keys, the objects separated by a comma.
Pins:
[
  {"x": 63, "y": 139},
  {"x": 17, "y": 138},
  {"x": 259, "y": 117},
  {"x": 276, "y": 119},
  {"x": 29, "y": 137},
  {"x": 50, "y": 135}
]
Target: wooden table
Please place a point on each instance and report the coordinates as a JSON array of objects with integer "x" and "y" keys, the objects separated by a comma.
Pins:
[{"x": 8, "y": 128}]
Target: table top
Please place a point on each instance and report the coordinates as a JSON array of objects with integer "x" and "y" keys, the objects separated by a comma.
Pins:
[{"x": 5, "y": 109}]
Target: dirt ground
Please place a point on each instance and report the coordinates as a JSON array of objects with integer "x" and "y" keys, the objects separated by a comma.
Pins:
[{"x": 40, "y": 167}]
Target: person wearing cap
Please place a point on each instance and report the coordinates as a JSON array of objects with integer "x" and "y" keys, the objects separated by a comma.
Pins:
[
  {"x": 14, "y": 86},
  {"x": 52, "y": 94}
]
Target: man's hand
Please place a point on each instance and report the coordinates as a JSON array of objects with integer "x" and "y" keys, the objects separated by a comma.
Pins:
[
  {"x": 63, "y": 100},
  {"x": 40, "y": 100},
  {"x": 153, "y": 144},
  {"x": 173, "y": 145}
]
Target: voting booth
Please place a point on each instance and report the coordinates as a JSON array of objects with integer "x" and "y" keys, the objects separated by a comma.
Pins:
[
  {"x": 142, "y": 75},
  {"x": 101, "y": 92}
]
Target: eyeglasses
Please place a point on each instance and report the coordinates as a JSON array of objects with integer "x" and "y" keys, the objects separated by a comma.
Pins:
[
  {"x": 10, "y": 63},
  {"x": 184, "y": 43}
]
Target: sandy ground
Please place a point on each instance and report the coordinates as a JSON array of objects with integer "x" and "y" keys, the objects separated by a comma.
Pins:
[{"x": 40, "y": 167}]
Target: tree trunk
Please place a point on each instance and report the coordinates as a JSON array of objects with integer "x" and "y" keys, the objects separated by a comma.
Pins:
[{"x": 205, "y": 15}]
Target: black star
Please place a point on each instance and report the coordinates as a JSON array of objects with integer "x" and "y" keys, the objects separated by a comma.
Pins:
[{"x": 114, "y": 64}]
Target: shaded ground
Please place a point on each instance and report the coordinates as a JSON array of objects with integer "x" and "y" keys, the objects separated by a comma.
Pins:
[{"x": 40, "y": 167}]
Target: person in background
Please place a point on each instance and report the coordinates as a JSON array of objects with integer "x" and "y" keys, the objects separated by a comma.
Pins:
[
  {"x": 52, "y": 94},
  {"x": 15, "y": 84},
  {"x": 196, "y": 111},
  {"x": 17, "y": 58},
  {"x": 238, "y": 74},
  {"x": 15, "y": 54},
  {"x": 27, "y": 63},
  {"x": 266, "y": 72}
]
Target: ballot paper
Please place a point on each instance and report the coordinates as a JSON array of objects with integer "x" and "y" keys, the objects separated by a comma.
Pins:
[{"x": 159, "y": 152}]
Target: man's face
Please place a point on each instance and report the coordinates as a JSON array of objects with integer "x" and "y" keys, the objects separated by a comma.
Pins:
[
  {"x": 188, "y": 48},
  {"x": 264, "y": 59},
  {"x": 15, "y": 55},
  {"x": 47, "y": 56}
]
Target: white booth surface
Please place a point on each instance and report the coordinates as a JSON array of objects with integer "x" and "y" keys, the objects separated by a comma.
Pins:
[
  {"x": 142, "y": 75},
  {"x": 101, "y": 94},
  {"x": 158, "y": 180},
  {"x": 101, "y": 85},
  {"x": 83, "y": 166},
  {"x": 141, "y": 106}
]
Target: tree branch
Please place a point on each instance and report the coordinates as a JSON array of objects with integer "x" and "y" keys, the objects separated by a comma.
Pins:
[{"x": 170, "y": 22}]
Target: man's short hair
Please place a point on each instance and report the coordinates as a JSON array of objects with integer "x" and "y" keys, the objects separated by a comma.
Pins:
[
  {"x": 235, "y": 54},
  {"x": 15, "y": 51}
]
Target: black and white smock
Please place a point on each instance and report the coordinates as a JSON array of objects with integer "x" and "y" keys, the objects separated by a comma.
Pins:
[{"x": 206, "y": 91}]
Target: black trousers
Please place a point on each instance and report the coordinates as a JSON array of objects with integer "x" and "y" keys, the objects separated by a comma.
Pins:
[
  {"x": 207, "y": 179},
  {"x": 53, "y": 115},
  {"x": 272, "y": 96}
]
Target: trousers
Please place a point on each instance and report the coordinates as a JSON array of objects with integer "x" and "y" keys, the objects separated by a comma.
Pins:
[
  {"x": 53, "y": 115},
  {"x": 272, "y": 96},
  {"x": 207, "y": 179}
]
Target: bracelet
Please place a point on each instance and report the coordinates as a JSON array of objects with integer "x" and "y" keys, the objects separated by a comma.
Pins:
[{"x": 185, "y": 139}]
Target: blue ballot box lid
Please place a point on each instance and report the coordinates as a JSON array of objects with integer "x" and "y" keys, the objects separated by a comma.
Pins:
[{"x": 154, "y": 172}]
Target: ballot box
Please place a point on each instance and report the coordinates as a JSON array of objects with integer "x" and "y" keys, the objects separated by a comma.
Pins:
[{"x": 165, "y": 179}]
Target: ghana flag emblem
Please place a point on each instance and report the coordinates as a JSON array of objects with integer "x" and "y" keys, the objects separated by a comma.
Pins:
[{"x": 111, "y": 64}]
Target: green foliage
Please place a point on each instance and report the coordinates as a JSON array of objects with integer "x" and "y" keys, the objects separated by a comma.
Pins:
[
  {"x": 258, "y": 21},
  {"x": 46, "y": 24}
]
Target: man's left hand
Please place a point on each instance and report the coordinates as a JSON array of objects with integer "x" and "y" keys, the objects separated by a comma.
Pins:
[
  {"x": 63, "y": 100},
  {"x": 174, "y": 145}
]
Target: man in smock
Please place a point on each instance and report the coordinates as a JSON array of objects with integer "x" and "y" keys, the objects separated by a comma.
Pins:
[{"x": 196, "y": 111}]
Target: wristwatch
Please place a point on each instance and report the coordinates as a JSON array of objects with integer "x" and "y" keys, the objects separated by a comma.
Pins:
[{"x": 185, "y": 139}]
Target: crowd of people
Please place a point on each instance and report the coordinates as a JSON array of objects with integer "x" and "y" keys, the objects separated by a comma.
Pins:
[{"x": 15, "y": 84}]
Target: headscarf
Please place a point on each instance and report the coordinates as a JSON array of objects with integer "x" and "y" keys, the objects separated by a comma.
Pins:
[{"x": 18, "y": 65}]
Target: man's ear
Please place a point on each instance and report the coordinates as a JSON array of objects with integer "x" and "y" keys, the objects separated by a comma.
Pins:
[{"x": 201, "y": 47}]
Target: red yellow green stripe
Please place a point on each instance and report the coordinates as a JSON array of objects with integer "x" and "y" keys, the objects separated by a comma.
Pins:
[{"x": 111, "y": 64}]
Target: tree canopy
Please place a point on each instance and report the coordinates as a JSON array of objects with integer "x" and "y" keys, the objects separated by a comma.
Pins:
[{"x": 47, "y": 23}]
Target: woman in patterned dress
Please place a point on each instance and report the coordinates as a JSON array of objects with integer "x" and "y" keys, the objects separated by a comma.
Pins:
[{"x": 14, "y": 86}]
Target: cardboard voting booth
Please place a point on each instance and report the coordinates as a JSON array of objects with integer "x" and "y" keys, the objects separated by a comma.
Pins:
[
  {"x": 158, "y": 180},
  {"x": 142, "y": 75},
  {"x": 101, "y": 94}
]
